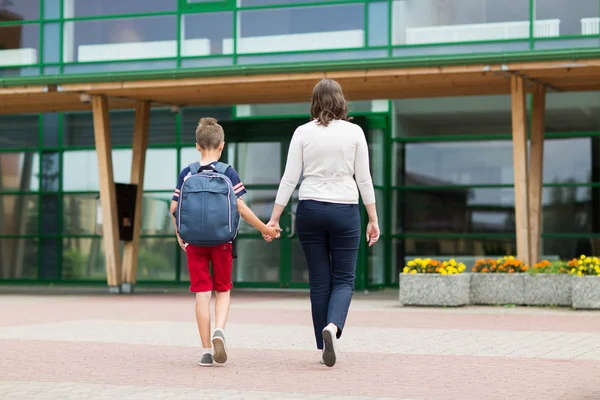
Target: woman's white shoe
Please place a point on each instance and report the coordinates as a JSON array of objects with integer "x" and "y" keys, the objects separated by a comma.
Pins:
[{"x": 329, "y": 345}]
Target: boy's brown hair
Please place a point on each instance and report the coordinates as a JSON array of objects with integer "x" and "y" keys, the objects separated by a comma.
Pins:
[{"x": 209, "y": 134}]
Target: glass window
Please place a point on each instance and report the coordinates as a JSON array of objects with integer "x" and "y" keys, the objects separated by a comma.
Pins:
[
  {"x": 163, "y": 127},
  {"x": 256, "y": 162},
  {"x": 156, "y": 214},
  {"x": 19, "y": 45},
  {"x": 80, "y": 169},
  {"x": 19, "y": 10},
  {"x": 50, "y": 172},
  {"x": 83, "y": 259},
  {"x": 18, "y": 215},
  {"x": 293, "y": 109},
  {"x": 468, "y": 115},
  {"x": 206, "y": 34},
  {"x": 378, "y": 24},
  {"x": 50, "y": 126},
  {"x": 79, "y": 214},
  {"x": 567, "y": 209},
  {"x": 86, "y": 8},
  {"x": 256, "y": 3},
  {"x": 52, "y": 43},
  {"x": 258, "y": 261},
  {"x": 161, "y": 170},
  {"x": 19, "y": 172},
  {"x": 572, "y": 112},
  {"x": 299, "y": 29},
  {"x": 576, "y": 18},
  {"x": 261, "y": 202},
  {"x": 52, "y": 9},
  {"x": 568, "y": 247},
  {"x": 157, "y": 259},
  {"x": 312, "y": 56},
  {"x": 188, "y": 156},
  {"x": 49, "y": 262},
  {"x": 18, "y": 131},
  {"x": 50, "y": 215},
  {"x": 447, "y": 21},
  {"x": 120, "y": 39},
  {"x": 376, "y": 155},
  {"x": 18, "y": 258}
]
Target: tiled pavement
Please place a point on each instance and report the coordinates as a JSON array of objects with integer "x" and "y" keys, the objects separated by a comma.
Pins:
[{"x": 145, "y": 347}]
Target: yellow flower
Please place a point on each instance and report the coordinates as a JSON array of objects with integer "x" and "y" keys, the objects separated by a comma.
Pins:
[
  {"x": 572, "y": 270},
  {"x": 596, "y": 261},
  {"x": 580, "y": 273},
  {"x": 413, "y": 272},
  {"x": 511, "y": 258},
  {"x": 445, "y": 263},
  {"x": 588, "y": 260},
  {"x": 443, "y": 271},
  {"x": 412, "y": 263},
  {"x": 453, "y": 262},
  {"x": 580, "y": 262},
  {"x": 406, "y": 269},
  {"x": 461, "y": 267},
  {"x": 582, "y": 257}
]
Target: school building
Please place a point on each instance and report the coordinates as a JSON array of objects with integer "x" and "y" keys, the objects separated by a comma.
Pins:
[{"x": 483, "y": 119}]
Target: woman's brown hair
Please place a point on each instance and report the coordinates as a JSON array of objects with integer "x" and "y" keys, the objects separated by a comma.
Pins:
[{"x": 328, "y": 102}]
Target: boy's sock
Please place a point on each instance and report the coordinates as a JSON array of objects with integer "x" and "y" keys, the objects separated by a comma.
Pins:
[{"x": 207, "y": 351}]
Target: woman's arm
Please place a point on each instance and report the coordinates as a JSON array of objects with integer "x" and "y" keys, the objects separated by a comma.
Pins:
[
  {"x": 362, "y": 175},
  {"x": 291, "y": 175}
]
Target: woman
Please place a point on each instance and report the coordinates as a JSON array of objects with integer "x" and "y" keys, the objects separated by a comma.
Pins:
[{"x": 334, "y": 156}]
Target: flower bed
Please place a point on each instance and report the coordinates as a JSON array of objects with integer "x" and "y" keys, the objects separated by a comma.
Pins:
[
  {"x": 498, "y": 281},
  {"x": 548, "y": 284},
  {"x": 427, "y": 282},
  {"x": 586, "y": 282}
]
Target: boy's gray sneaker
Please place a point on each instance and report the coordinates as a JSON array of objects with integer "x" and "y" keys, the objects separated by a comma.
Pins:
[
  {"x": 218, "y": 342},
  {"x": 206, "y": 360}
]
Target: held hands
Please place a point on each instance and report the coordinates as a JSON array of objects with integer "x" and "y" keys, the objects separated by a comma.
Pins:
[
  {"x": 372, "y": 233},
  {"x": 273, "y": 231}
]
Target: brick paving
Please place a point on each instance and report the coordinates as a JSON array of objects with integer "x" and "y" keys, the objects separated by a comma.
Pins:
[{"x": 145, "y": 347}]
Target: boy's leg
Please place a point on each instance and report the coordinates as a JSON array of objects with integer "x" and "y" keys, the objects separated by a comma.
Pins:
[
  {"x": 201, "y": 285},
  {"x": 222, "y": 263}
]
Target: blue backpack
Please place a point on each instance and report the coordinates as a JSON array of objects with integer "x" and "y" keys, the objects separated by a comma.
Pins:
[{"x": 207, "y": 213}]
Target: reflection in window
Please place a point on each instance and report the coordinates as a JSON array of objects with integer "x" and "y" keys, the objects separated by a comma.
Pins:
[
  {"x": 256, "y": 162},
  {"x": 50, "y": 215},
  {"x": 443, "y": 21},
  {"x": 18, "y": 131},
  {"x": 86, "y": 8},
  {"x": 19, "y": 44},
  {"x": 299, "y": 29},
  {"x": 83, "y": 259},
  {"x": 120, "y": 39},
  {"x": 19, "y": 172},
  {"x": 18, "y": 215},
  {"x": 576, "y": 18},
  {"x": 258, "y": 261},
  {"x": 80, "y": 169},
  {"x": 156, "y": 217},
  {"x": 376, "y": 158},
  {"x": 79, "y": 214},
  {"x": 19, "y": 10},
  {"x": 206, "y": 34},
  {"x": 161, "y": 170},
  {"x": 157, "y": 259},
  {"x": 18, "y": 258},
  {"x": 50, "y": 172},
  {"x": 566, "y": 209},
  {"x": 49, "y": 262}
]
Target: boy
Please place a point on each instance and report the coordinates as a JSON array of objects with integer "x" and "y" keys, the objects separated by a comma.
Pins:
[{"x": 210, "y": 141}]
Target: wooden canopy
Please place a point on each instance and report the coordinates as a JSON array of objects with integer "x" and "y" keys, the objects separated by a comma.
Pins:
[{"x": 360, "y": 84}]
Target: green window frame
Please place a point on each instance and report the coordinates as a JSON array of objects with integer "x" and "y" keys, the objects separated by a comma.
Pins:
[{"x": 190, "y": 6}]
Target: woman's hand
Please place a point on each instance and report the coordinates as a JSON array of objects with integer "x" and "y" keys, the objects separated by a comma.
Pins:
[
  {"x": 372, "y": 233},
  {"x": 272, "y": 224}
]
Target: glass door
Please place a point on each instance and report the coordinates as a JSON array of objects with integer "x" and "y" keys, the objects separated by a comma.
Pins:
[{"x": 257, "y": 149}]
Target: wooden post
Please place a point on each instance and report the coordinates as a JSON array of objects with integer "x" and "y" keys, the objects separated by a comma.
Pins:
[
  {"x": 140, "y": 144},
  {"x": 108, "y": 197},
  {"x": 536, "y": 168},
  {"x": 519, "y": 136}
]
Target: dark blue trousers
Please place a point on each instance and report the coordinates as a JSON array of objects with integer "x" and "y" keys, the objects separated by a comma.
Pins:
[{"x": 330, "y": 237}]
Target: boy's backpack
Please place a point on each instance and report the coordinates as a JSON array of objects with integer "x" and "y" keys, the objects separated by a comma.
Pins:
[{"x": 207, "y": 212}]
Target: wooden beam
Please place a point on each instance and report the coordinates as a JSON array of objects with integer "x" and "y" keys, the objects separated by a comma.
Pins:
[
  {"x": 536, "y": 168},
  {"x": 520, "y": 165},
  {"x": 108, "y": 197},
  {"x": 140, "y": 144}
]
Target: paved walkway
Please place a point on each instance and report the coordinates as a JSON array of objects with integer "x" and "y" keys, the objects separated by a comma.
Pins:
[{"x": 145, "y": 347}]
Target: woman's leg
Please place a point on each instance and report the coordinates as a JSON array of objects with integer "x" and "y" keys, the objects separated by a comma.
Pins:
[
  {"x": 344, "y": 241},
  {"x": 313, "y": 237}
]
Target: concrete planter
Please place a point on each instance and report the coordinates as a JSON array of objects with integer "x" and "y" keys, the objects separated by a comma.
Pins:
[
  {"x": 434, "y": 289},
  {"x": 497, "y": 288},
  {"x": 586, "y": 292},
  {"x": 548, "y": 290}
]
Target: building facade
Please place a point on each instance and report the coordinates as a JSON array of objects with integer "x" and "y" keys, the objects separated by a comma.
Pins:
[{"x": 442, "y": 166}]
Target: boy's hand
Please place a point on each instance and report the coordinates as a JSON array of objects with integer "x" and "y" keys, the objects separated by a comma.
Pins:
[
  {"x": 182, "y": 244},
  {"x": 272, "y": 232}
]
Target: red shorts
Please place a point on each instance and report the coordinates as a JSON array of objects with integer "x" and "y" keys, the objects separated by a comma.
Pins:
[{"x": 198, "y": 259}]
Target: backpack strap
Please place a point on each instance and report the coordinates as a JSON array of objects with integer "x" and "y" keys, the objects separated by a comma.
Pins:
[
  {"x": 221, "y": 167},
  {"x": 195, "y": 167}
]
